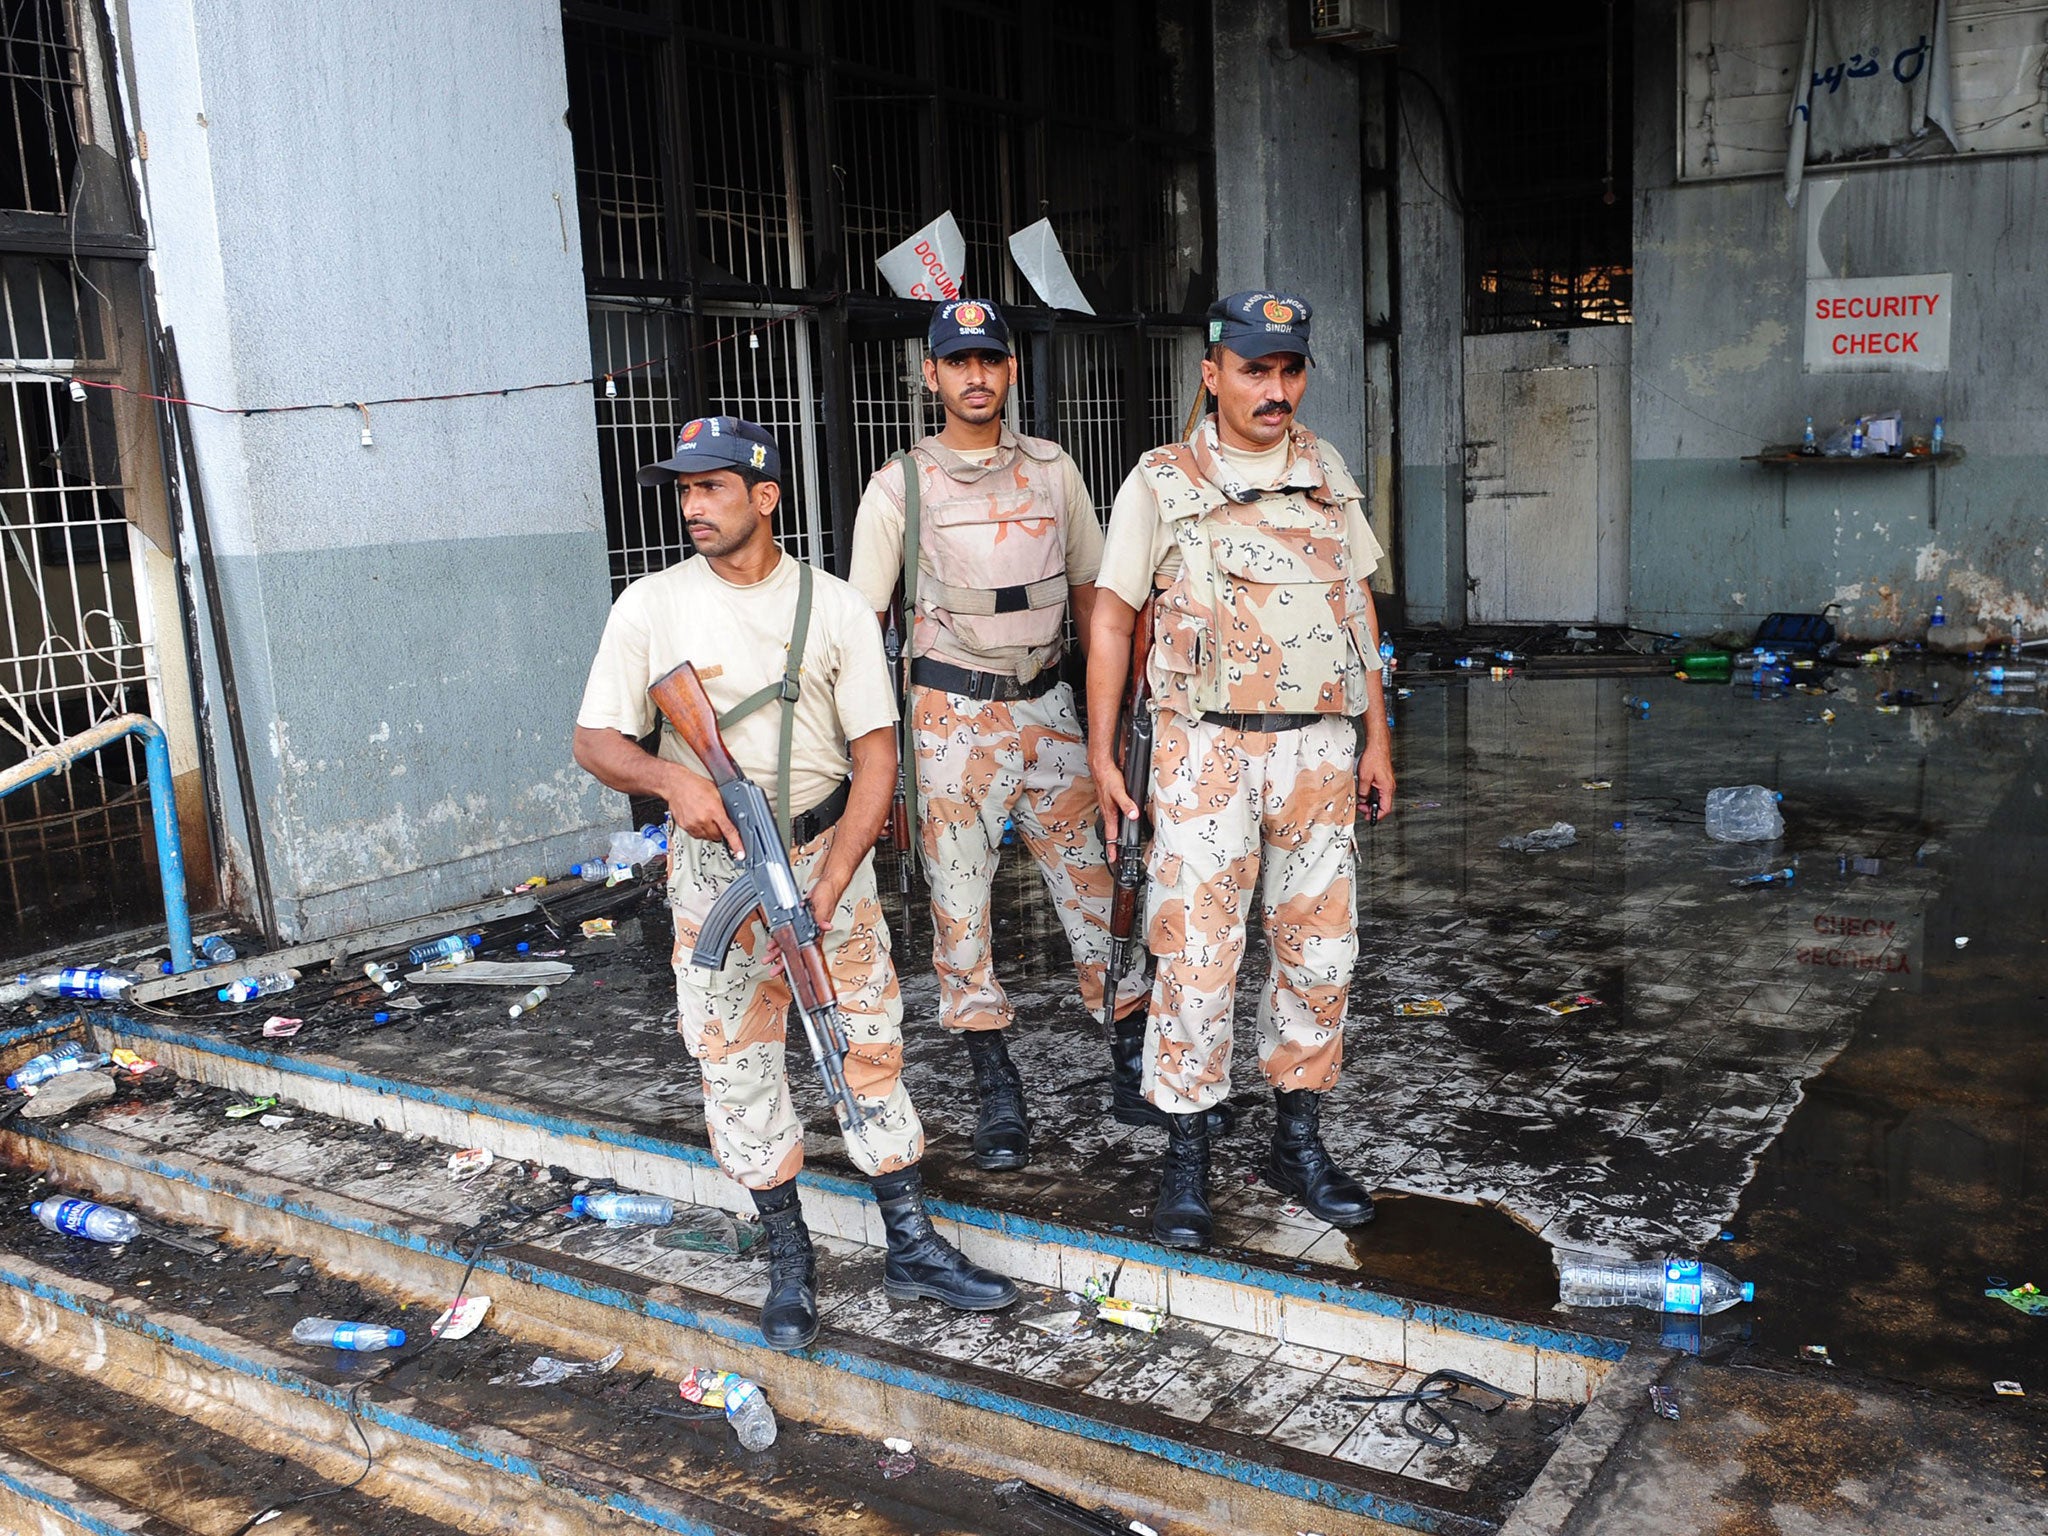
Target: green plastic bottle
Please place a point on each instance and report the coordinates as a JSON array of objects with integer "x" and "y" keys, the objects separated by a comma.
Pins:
[{"x": 1706, "y": 666}]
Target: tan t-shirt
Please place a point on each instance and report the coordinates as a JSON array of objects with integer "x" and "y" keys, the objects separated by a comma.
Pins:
[
  {"x": 878, "y": 555},
  {"x": 738, "y": 639},
  {"x": 1140, "y": 544}
]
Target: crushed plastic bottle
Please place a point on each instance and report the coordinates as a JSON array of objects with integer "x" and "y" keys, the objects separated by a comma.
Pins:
[
  {"x": 1744, "y": 813},
  {"x": 594, "y": 871},
  {"x": 87, "y": 982},
  {"x": 386, "y": 976},
  {"x": 68, "y": 1057},
  {"x": 636, "y": 847},
  {"x": 625, "y": 1210},
  {"x": 362, "y": 1336},
  {"x": 1668, "y": 1285},
  {"x": 1559, "y": 834},
  {"x": 745, "y": 1404},
  {"x": 268, "y": 985},
  {"x": 87, "y": 1219},
  {"x": 1769, "y": 877},
  {"x": 215, "y": 949},
  {"x": 444, "y": 949}
]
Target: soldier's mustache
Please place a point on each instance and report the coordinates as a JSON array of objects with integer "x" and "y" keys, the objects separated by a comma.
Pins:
[{"x": 1274, "y": 408}]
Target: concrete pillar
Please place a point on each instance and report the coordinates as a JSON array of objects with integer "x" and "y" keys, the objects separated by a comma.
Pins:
[{"x": 364, "y": 201}]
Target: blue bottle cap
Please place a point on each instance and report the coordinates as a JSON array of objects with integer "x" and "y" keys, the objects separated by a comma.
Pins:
[
  {"x": 380, "y": 1018},
  {"x": 580, "y": 1205},
  {"x": 1748, "y": 1291},
  {"x": 524, "y": 946}
]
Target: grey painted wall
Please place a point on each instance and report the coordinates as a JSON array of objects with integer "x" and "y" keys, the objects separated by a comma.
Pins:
[
  {"x": 1288, "y": 212},
  {"x": 1720, "y": 286},
  {"x": 379, "y": 200}
]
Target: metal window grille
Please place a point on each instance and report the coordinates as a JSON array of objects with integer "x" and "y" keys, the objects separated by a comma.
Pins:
[
  {"x": 741, "y": 168},
  {"x": 41, "y": 68}
]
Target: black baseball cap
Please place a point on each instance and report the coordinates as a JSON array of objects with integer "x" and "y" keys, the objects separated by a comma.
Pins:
[
  {"x": 718, "y": 442},
  {"x": 1256, "y": 324},
  {"x": 967, "y": 325}
]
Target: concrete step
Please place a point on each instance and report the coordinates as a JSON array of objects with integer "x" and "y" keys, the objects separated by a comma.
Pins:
[
  {"x": 436, "y": 1434},
  {"x": 1291, "y": 1302},
  {"x": 1200, "y": 1428},
  {"x": 76, "y": 1456}
]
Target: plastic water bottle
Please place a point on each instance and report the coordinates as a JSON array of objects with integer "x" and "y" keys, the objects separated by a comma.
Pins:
[
  {"x": 87, "y": 1218},
  {"x": 1807, "y": 445},
  {"x": 386, "y": 976},
  {"x": 1387, "y": 677},
  {"x": 1940, "y": 437},
  {"x": 1669, "y": 1285},
  {"x": 656, "y": 835},
  {"x": 745, "y": 1404},
  {"x": 68, "y": 1057},
  {"x": 325, "y": 1330},
  {"x": 83, "y": 982},
  {"x": 636, "y": 847},
  {"x": 635, "y": 1210},
  {"x": 531, "y": 1001},
  {"x": 259, "y": 986},
  {"x": 1939, "y": 618},
  {"x": 215, "y": 949},
  {"x": 443, "y": 949},
  {"x": 1856, "y": 440}
]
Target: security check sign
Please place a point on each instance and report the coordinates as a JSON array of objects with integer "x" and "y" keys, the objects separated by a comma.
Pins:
[{"x": 1878, "y": 324}]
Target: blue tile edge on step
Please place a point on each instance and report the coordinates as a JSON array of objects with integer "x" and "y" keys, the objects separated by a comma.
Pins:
[
  {"x": 62, "y": 1507},
  {"x": 1298, "y": 1287},
  {"x": 1196, "y": 1458},
  {"x": 340, "y": 1398}
]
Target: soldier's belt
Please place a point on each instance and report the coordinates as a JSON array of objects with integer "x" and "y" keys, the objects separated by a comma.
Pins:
[
  {"x": 986, "y": 602},
  {"x": 983, "y": 687},
  {"x": 1260, "y": 722},
  {"x": 825, "y": 813}
]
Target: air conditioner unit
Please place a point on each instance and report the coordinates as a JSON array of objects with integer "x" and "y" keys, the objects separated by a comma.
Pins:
[{"x": 1361, "y": 24}]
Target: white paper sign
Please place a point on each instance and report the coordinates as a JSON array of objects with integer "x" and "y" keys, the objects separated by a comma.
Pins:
[
  {"x": 930, "y": 264},
  {"x": 1878, "y": 324},
  {"x": 1037, "y": 252}
]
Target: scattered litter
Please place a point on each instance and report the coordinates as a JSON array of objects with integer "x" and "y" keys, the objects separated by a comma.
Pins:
[
  {"x": 1744, "y": 813},
  {"x": 470, "y": 1161},
  {"x": 278, "y": 1027},
  {"x": 745, "y": 1404},
  {"x": 547, "y": 1370},
  {"x": 1559, "y": 834},
  {"x": 702, "y": 1229},
  {"x": 598, "y": 928},
  {"x": 1421, "y": 1007},
  {"x": 1596, "y": 783},
  {"x": 1818, "y": 1352},
  {"x": 2023, "y": 1298},
  {"x": 1664, "y": 1403},
  {"x": 1058, "y": 1324},
  {"x": 2008, "y": 1389},
  {"x": 498, "y": 973},
  {"x": 87, "y": 1219},
  {"x": 384, "y": 1167},
  {"x": 1769, "y": 877},
  {"x": 1859, "y": 864},
  {"x": 1962, "y": 941},
  {"x": 1565, "y": 1005},
  {"x": 897, "y": 1463},
  {"x": 897, "y": 1446},
  {"x": 1827, "y": 717},
  {"x": 273, "y": 1122},
  {"x": 359, "y": 1336},
  {"x": 1111, "y": 1308},
  {"x": 289, "y": 1288},
  {"x": 462, "y": 1319},
  {"x": 244, "y": 1111},
  {"x": 62, "y": 1095}
]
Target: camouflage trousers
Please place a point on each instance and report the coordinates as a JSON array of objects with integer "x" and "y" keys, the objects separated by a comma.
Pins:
[
  {"x": 976, "y": 764},
  {"x": 1233, "y": 813},
  {"x": 735, "y": 1022}
]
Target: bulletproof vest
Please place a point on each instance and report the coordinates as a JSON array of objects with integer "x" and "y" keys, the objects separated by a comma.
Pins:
[
  {"x": 996, "y": 547},
  {"x": 1266, "y": 615}
]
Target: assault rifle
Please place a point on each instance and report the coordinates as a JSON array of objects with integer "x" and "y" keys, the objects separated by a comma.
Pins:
[
  {"x": 767, "y": 884},
  {"x": 1126, "y": 860}
]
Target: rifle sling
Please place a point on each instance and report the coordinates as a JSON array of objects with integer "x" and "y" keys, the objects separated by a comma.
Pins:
[
  {"x": 913, "y": 540},
  {"x": 787, "y": 690}
]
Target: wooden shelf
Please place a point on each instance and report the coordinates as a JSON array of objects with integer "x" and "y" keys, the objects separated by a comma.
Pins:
[{"x": 1788, "y": 456}]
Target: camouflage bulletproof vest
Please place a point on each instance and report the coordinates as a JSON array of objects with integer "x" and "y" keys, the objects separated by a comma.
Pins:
[
  {"x": 1266, "y": 615},
  {"x": 995, "y": 550}
]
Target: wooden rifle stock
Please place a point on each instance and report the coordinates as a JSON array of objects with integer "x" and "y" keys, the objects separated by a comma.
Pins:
[
  {"x": 1126, "y": 858},
  {"x": 679, "y": 694}
]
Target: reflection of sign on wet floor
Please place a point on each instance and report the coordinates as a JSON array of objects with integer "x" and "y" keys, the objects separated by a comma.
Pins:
[{"x": 1849, "y": 940}]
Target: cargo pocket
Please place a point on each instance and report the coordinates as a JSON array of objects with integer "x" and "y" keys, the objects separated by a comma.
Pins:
[{"x": 1166, "y": 923}]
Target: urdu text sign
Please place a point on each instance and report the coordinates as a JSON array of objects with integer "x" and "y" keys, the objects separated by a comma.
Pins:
[{"x": 1878, "y": 324}]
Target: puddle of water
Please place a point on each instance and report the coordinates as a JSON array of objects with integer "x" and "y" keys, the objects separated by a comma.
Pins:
[{"x": 1448, "y": 1245}]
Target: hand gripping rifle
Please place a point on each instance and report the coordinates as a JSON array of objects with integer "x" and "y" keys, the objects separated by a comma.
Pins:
[
  {"x": 1126, "y": 860},
  {"x": 767, "y": 884}
]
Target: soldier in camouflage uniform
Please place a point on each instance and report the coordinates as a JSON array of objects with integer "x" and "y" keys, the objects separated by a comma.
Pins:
[
  {"x": 1006, "y": 536},
  {"x": 1263, "y": 662}
]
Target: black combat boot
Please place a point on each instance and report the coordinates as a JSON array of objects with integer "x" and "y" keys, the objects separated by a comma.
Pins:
[
  {"x": 1127, "y": 1101},
  {"x": 1181, "y": 1217},
  {"x": 1002, "y": 1134},
  {"x": 789, "y": 1312},
  {"x": 923, "y": 1264},
  {"x": 1299, "y": 1166}
]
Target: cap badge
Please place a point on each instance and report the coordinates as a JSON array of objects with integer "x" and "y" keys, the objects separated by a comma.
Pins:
[
  {"x": 970, "y": 315},
  {"x": 690, "y": 432},
  {"x": 1278, "y": 313},
  {"x": 759, "y": 456}
]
